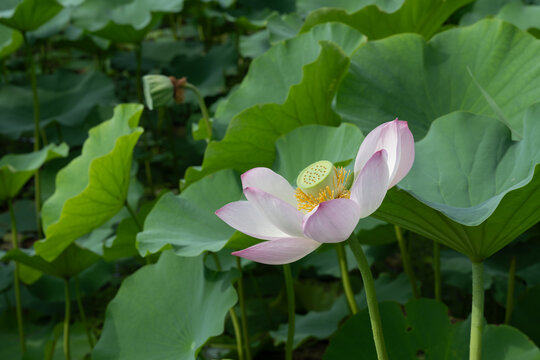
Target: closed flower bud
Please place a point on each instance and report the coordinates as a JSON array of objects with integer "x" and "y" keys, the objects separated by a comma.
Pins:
[{"x": 158, "y": 91}]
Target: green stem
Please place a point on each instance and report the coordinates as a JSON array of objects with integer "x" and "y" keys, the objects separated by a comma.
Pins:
[
  {"x": 371, "y": 297},
  {"x": 204, "y": 109},
  {"x": 4, "y": 71},
  {"x": 289, "y": 286},
  {"x": 172, "y": 143},
  {"x": 138, "y": 73},
  {"x": 237, "y": 334},
  {"x": 59, "y": 131},
  {"x": 16, "y": 281},
  {"x": 510, "y": 293},
  {"x": 477, "y": 314},
  {"x": 174, "y": 25},
  {"x": 437, "y": 270},
  {"x": 33, "y": 82},
  {"x": 138, "y": 76},
  {"x": 50, "y": 354},
  {"x": 82, "y": 313},
  {"x": 406, "y": 261},
  {"x": 243, "y": 310},
  {"x": 232, "y": 314},
  {"x": 66, "y": 320},
  {"x": 349, "y": 294},
  {"x": 134, "y": 216}
]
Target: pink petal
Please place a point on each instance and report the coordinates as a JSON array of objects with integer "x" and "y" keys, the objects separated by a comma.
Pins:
[
  {"x": 283, "y": 215},
  {"x": 270, "y": 182},
  {"x": 247, "y": 218},
  {"x": 280, "y": 251},
  {"x": 394, "y": 137},
  {"x": 406, "y": 153},
  {"x": 332, "y": 221},
  {"x": 371, "y": 185}
]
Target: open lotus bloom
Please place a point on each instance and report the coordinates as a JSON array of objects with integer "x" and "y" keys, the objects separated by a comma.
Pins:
[{"x": 328, "y": 202}]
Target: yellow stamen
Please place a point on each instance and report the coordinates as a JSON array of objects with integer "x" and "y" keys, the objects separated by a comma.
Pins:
[{"x": 307, "y": 202}]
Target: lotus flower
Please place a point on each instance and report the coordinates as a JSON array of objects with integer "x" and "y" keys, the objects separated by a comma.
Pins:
[{"x": 328, "y": 202}]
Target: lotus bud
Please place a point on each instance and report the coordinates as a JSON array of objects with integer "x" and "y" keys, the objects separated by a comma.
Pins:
[{"x": 158, "y": 91}]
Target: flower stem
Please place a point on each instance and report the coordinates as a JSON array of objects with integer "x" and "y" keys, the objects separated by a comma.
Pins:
[
  {"x": 16, "y": 281},
  {"x": 406, "y": 261},
  {"x": 371, "y": 297},
  {"x": 202, "y": 105},
  {"x": 82, "y": 313},
  {"x": 33, "y": 81},
  {"x": 237, "y": 333},
  {"x": 342, "y": 259},
  {"x": 67, "y": 354},
  {"x": 437, "y": 270},
  {"x": 243, "y": 310},
  {"x": 232, "y": 314},
  {"x": 477, "y": 314},
  {"x": 510, "y": 293},
  {"x": 138, "y": 77},
  {"x": 291, "y": 308}
]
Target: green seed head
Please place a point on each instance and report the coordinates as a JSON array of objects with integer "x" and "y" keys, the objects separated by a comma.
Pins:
[{"x": 317, "y": 177}]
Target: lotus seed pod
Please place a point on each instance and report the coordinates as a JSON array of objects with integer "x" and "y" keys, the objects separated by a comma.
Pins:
[
  {"x": 317, "y": 177},
  {"x": 158, "y": 91}
]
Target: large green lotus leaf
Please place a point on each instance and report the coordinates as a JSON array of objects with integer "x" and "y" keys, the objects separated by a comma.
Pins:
[
  {"x": 122, "y": 20},
  {"x": 123, "y": 243},
  {"x": 322, "y": 324},
  {"x": 10, "y": 41},
  {"x": 254, "y": 45},
  {"x": 471, "y": 187},
  {"x": 187, "y": 222},
  {"x": 93, "y": 187},
  {"x": 271, "y": 75},
  {"x": 64, "y": 97},
  {"x": 522, "y": 13},
  {"x": 71, "y": 261},
  {"x": 481, "y": 9},
  {"x": 27, "y": 15},
  {"x": 423, "y": 328},
  {"x": 350, "y": 6},
  {"x": 423, "y": 17},
  {"x": 308, "y": 144},
  {"x": 250, "y": 138},
  {"x": 17, "y": 169},
  {"x": 419, "y": 81},
  {"x": 523, "y": 16},
  {"x": 165, "y": 311},
  {"x": 283, "y": 27}
]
